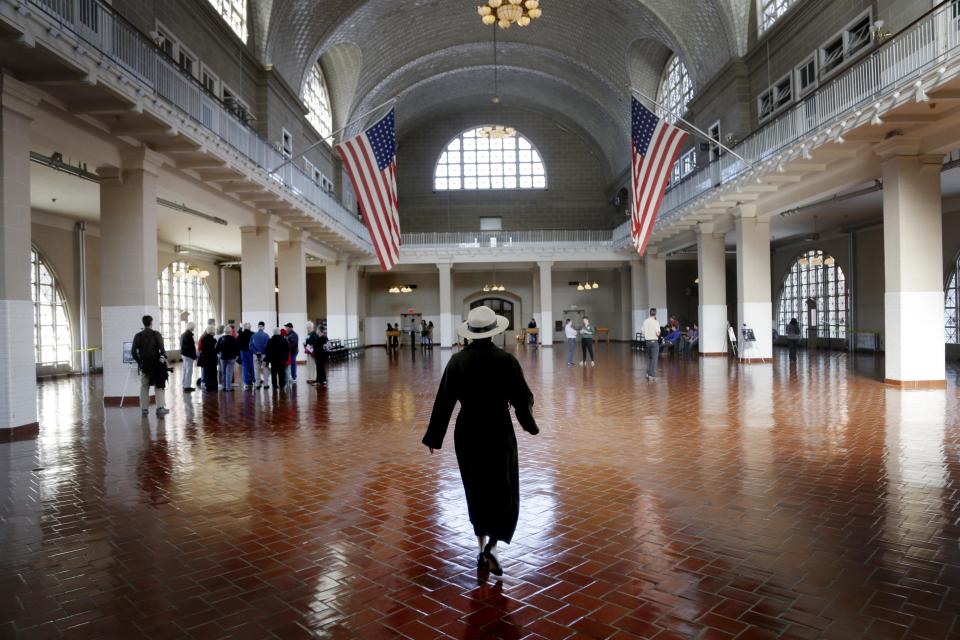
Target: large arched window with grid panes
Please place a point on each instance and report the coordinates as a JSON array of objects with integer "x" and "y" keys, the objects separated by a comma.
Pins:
[
  {"x": 676, "y": 90},
  {"x": 951, "y": 306},
  {"x": 487, "y": 158},
  {"x": 183, "y": 297},
  {"x": 769, "y": 11},
  {"x": 815, "y": 293},
  {"x": 318, "y": 101},
  {"x": 52, "y": 338},
  {"x": 234, "y": 13}
]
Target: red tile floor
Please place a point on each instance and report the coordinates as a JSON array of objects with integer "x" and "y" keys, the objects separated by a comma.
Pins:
[{"x": 773, "y": 501}]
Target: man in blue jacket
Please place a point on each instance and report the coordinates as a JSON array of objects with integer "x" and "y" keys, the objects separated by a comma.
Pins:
[{"x": 258, "y": 343}]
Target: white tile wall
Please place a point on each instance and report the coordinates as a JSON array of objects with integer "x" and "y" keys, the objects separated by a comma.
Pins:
[{"x": 18, "y": 385}]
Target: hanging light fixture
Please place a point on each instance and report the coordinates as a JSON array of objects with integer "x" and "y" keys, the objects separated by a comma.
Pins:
[
  {"x": 509, "y": 12},
  {"x": 829, "y": 261},
  {"x": 186, "y": 269},
  {"x": 579, "y": 286},
  {"x": 497, "y": 131}
]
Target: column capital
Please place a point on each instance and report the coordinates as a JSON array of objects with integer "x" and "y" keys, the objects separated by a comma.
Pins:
[
  {"x": 744, "y": 210},
  {"x": 142, "y": 159},
  {"x": 18, "y": 96},
  {"x": 921, "y": 161},
  {"x": 444, "y": 266},
  {"x": 545, "y": 264},
  {"x": 705, "y": 228}
]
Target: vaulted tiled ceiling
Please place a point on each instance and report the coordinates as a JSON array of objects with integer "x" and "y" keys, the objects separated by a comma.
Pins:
[{"x": 574, "y": 64}]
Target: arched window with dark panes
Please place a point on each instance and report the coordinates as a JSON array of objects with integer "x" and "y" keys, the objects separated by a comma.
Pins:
[{"x": 814, "y": 292}]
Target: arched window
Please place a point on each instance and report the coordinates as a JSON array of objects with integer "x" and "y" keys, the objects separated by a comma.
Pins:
[
  {"x": 676, "y": 90},
  {"x": 473, "y": 160},
  {"x": 234, "y": 13},
  {"x": 317, "y": 101},
  {"x": 51, "y": 323},
  {"x": 770, "y": 11},
  {"x": 183, "y": 298},
  {"x": 951, "y": 306},
  {"x": 815, "y": 293}
]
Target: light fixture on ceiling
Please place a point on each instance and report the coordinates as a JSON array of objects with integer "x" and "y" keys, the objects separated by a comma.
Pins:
[
  {"x": 189, "y": 270},
  {"x": 402, "y": 288},
  {"x": 829, "y": 261},
  {"x": 509, "y": 12}
]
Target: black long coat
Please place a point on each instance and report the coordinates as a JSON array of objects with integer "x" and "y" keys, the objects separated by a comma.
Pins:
[{"x": 486, "y": 381}]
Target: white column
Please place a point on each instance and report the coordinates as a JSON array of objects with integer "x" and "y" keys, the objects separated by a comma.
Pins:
[
  {"x": 337, "y": 300},
  {"x": 128, "y": 258},
  {"x": 638, "y": 295},
  {"x": 257, "y": 275},
  {"x": 536, "y": 301},
  {"x": 546, "y": 302},
  {"x": 292, "y": 282},
  {"x": 656, "y": 272},
  {"x": 754, "y": 307},
  {"x": 712, "y": 272},
  {"x": 353, "y": 291},
  {"x": 446, "y": 304},
  {"x": 913, "y": 276},
  {"x": 18, "y": 384}
]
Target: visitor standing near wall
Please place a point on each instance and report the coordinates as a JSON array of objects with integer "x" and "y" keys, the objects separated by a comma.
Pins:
[
  {"x": 151, "y": 361},
  {"x": 246, "y": 357},
  {"x": 188, "y": 353},
  {"x": 650, "y": 331},
  {"x": 570, "y": 332},
  {"x": 486, "y": 381},
  {"x": 258, "y": 343},
  {"x": 586, "y": 342},
  {"x": 294, "y": 341},
  {"x": 208, "y": 359}
]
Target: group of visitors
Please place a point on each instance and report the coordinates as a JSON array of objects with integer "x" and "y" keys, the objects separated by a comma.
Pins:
[
  {"x": 586, "y": 334},
  {"x": 424, "y": 328}
]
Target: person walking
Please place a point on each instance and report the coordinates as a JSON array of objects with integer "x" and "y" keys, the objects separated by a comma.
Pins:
[
  {"x": 294, "y": 341},
  {"x": 258, "y": 343},
  {"x": 151, "y": 360},
  {"x": 247, "y": 373},
  {"x": 486, "y": 381},
  {"x": 277, "y": 353},
  {"x": 309, "y": 345},
  {"x": 571, "y": 333},
  {"x": 228, "y": 348},
  {"x": 586, "y": 342},
  {"x": 188, "y": 353},
  {"x": 650, "y": 330},
  {"x": 208, "y": 359},
  {"x": 793, "y": 337}
]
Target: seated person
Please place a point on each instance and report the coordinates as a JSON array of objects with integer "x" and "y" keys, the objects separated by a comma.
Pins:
[
  {"x": 693, "y": 338},
  {"x": 672, "y": 338}
]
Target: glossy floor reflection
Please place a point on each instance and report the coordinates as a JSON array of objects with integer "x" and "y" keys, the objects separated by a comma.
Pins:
[{"x": 788, "y": 500}]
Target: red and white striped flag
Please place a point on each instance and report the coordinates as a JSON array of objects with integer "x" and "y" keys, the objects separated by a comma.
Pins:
[
  {"x": 371, "y": 162},
  {"x": 656, "y": 145}
]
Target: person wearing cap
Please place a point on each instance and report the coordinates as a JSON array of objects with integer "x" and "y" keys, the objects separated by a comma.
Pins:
[
  {"x": 294, "y": 341},
  {"x": 258, "y": 343},
  {"x": 486, "y": 381}
]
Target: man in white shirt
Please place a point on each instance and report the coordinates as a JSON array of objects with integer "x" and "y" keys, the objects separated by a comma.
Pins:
[
  {"x": 571, "y": 333},
  {"x": 651, "y": 336}
]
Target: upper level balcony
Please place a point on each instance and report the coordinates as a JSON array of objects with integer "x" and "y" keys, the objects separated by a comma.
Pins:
[{"x": 99, "y": 66}]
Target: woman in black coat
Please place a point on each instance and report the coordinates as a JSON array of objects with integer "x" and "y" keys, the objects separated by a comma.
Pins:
[
  {"x": 277, "y": 353},
  {"x": 486, "y": 381},
  {"x": 208, "y": 359}
]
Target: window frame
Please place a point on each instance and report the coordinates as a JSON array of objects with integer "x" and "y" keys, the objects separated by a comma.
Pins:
[
  {"x": 777, "y": 107},
  {"x": 478, "y": 166},
  {"x": 843, "y": 35},
  {"x": 684, "y": 85},
  {"x": 952, "y": 283},
  {"x": 219, "y": 6},
  {"x": 173, "y": 325},
  {"x": 58, "y": 299},
  {"x": 800, "y": 292},
  {"x": 715, "y": 149},
  {"x": 799, "y": 90},
  {"x": 323, "y": 120},
  {"x": 206, "y": 72},
  {"x": 762, "y": 27}
]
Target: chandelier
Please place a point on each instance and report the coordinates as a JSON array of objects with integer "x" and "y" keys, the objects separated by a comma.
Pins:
[
  {"x": 586, "y": 286},
  {"x": 190, "y": 271},
  {"x": 508, "y": 12},
  {"x": 497, "y": 131},
  {"x": 403, "y": 288},
  {"x": 493, "y": 287}
]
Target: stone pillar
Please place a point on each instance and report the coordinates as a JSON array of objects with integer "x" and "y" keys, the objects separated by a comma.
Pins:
[
  {"x": 913, "y": 271},
  {"x": 292, "y": 282},
  {"x": 638, "y": 295},
  {"x": 536, "y": 301},
  {"x": 257, "y": 275},
  {"x": 712, "y": 273},
  {"x": 337, "y": 301},
  {"x": 656, "y": 272},
  {"x": 754, "y": 307},
  {"x": 546, "y": 302},
  {"x": 18, "y": 384},
  {"x": 446, "y": 304},
  {"x": 128, "y": 253},
  {"x": 353, "y": 304}
]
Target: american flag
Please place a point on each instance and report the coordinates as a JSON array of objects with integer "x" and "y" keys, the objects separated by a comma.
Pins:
[
  {"x": 371, "y": 162},
  {"x": 656, "y": 144}
]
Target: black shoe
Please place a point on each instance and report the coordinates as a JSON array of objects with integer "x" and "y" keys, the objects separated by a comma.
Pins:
[
  {"x": 495, "y": 567},
  {"x": 482, "y": 562}
]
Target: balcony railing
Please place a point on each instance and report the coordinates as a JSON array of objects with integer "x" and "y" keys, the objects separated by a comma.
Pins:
[
  {"x": 593, "y": 238},
  {"x": 903, "y": 59},
  {"x": 98, "y": 25}
]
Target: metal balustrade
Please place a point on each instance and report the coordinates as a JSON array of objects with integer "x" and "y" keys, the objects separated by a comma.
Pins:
[
  {"x": 98, "y": 25},
  {"x": 895, "y": 65},
  {"x": 507, "y": 239}
]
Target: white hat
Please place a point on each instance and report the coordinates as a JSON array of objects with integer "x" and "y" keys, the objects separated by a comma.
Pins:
[{"x": 482, "y": 323}]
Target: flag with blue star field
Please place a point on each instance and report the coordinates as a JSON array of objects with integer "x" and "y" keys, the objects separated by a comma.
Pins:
[
  {"x": 371, "y": 162},
  {"x": 656, "y": 145}
]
